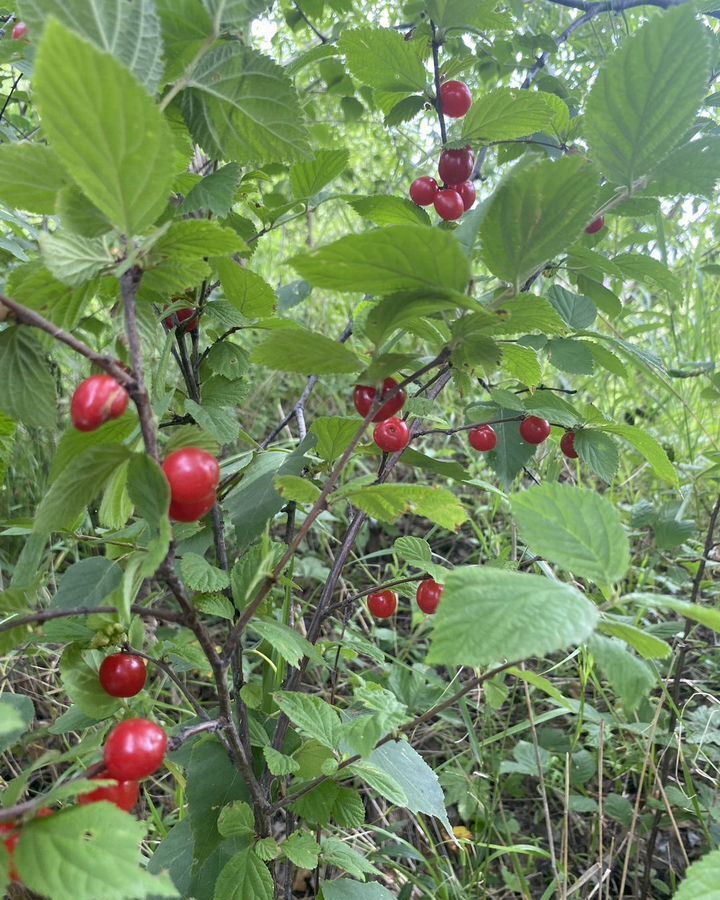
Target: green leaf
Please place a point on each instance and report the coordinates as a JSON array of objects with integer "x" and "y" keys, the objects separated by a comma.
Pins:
[
  {"x": 24, "y": 366},
  {"x": 236, "y": 820},
  {"x": 149, "y": 489},
  {"x": 246, "y": 876},
  {"x": 216, "y": 192},
  {"x": 334, "y": 435},
  {"x": 506, "y": 114},
  {"x": 577, "y": 311},
  {"x": 119, "y": 147},
  {"x": 599, "y": 452},
  {"x": 570, "y": 355},
  {"x": 240, "y": 105},
  {"x": 418, "y": 781},
  {"x": 384, "y": 60},
  {"x": 302, "y": 850},
  {"x": 701, "y": 879},
  {"x": 345, "y": 889},
  {"x": 33, "y": 286},
  {"x": 380, "y": 781},
  {"x": 648, "y": 270},
  {"x": 129, "y": 31},
  {"x": 415, "y": 551},
  {"x": 200, "y": 575},
  {"x": 285, "y": 641},
  {"x": 316, "y": 806},
  {"x": 16, "y": 716},
  {"x": 521, "y": 315},
  {"x": 87, "y": 583},
  {"x": 234, "y": 14},
  {"x": 522, "y": 363},
  {"x": 647, "y": 95},
  {"x": 301, "y": 490},
  {"x": 77, "y": 485},
  {"x": 306, "y": 352},
  {"x": 646, "y": 445},
  {"x": 74, "y": 259},
  {"x": 630, "y": 678},
  {"x": 522, "y": 616},
  {"x": 278, "y": 763},
  {"x": 82, "y": 685},
  {"x": 396, "y": 258},
  {"x": 267, "y": 849},
  {"x": 341, "y": 855},
  {"x": 388, "y": 502},
  {"x": 88, "y": 852},
  {"x": 313, "y": 716},
  {"x": 30, "y": 177},
  {"x": 705, "y": 615},
  {"x": 574, "y": 528},
  {"x": 383, "y": 209},
  {"x": 250, "y": 294},
  {"x": 217, "y": 421},
  {"x": 535, "y": 214},
  {"x": 693, "y": 168},
  {"x": 647, "y": 645},
  {"x": 403, "y": 310},
  {"x": 308, "y": 178},
  {"x": 458, "y": 14},
  {"x": 8, "y": 429}
]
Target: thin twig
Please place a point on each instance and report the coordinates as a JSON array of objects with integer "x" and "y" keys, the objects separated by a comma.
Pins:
[{"x": 47, "y": 615}]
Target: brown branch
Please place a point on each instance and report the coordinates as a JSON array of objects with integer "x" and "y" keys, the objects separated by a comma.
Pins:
[
  {"x": 47, "y": 615},
  {"x": 436, "y": 78}
]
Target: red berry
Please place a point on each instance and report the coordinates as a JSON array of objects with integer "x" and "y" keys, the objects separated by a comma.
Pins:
[
  {"x": 449, "y": 204},
  {"x": 468, "y": 193},
  {"x": 423, "y": 190},
  {"x": 124, "y": 794},
  {"x": 383, "y": 604},
  {"x": 483, "y": 438},
  {"x": 134, "y": 749},
  {"x": 364, "y": 396},
  {"x": 186, "y": 318},
  {"x": 456, "y": 166},
  {"x": 10, "y": 845},
  {"x": 534, "y": 430},
  {"x": 123, "y": 674},
  {"x": 595, "y": 226},
  {"x": 392, "y": 435},
  {"x": 456, "y": 99},
  {"x": 429, "y": 594},
  {"x": 20, "y": 31},
  {"x": 567, "y": 445},
  {"x": 193, "y": 475},
  {"x": 191, "y": 512},
  {"x": 96, "y": 400}
]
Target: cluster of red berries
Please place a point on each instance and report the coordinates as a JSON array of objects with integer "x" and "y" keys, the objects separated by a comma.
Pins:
[
  {"x": 533, "y": 430},
  {"x": 135, "y": 749},
  {"x": 457, "y": 194},
  {"x": 391, "y": 434},
  {"x": 383, "y": 604}
]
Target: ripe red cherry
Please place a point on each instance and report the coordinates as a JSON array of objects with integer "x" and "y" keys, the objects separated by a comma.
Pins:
[
  {"x": 468, "y": 193},
  {"x": 567, "y": 445},
  {"x": 383, "y": 604},
  {"x": 428, "y": 595},
  {"x": 449, "y": 205},
  {"x": 186, "y": 318},
  {"x": 456, "y": 166},
  {"x": 363, "y": 398},
  {"x": 595, "y": 226},
  {"x": 134, "y": 749},
  {"x": 392, "y": 435},
  {"x": 456, "y": 99},
  {"x": 123, "y": 674},
  {"x": 193, "y": 475},
  {"x": 124, "y": 794},
  {"x": 483, "y": 438},
  {"x": 191, "y": 512},
  {"x": 96, "y": 400},
  {"x": 534, "y": 430},
  {"x": 423, "y": 190},
  {"x": 20, "y": 31}
]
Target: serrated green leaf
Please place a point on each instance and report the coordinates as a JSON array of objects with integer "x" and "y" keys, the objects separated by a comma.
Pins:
[
  {"x": 240, "y": 105},
  {"x": 74, "y": 259},
  {"x": 701, "y": 879},
  {"x": 522, "y": 363},
  {"x": 77, "y": 485},
  {"x": 630, "y": 678},
  {"x": 250, "y": 294},
  {"x": 340, "y": 854},
  {"x": 236, "y": 820},
  {"x": 522, "y": 315},
  {"x": 535, "y": 214},
  {"x": 200, "y": 575},
  {"x": 705, "y": 615},
  {"x": 379, "y": 781},
  {"x": 217, "y": 421},
  {"x": 647, "y": 95},
  {"x": 334, "y": 435},
  {"x": 82, "y": 685},
  {"x": 30, "y": 177},
  {"x": 577, "y": 311},
  {"x": 382, "y": 59},
  {"x": 302, "y": 850},
  {"x": 396, "y": 258},
  {"x": 647, "y": 645},
  {"x": 388, "y": 502},
  {"x": 312, "y": 715},
  {"x": 693, "y": 168},
  {"x": 118, "y": 147},
  {"x": 306, "y": 352},
  {"x": 16, "y": 715},
  {"x": 87, "y": 583},
  {"x": 284, "y": 640},
  {"x": 24, "y": 366},
  {"x": 556, "y": 616},
  {"x": 278, "y": 763},
  {"x": 292, "y": 487},
  {"x": 267, "y": 849},
  {"x": 599, "y": 452},
  {"x": 308, "y": 178},
  {"x": 383, "y": 209},
  {"x": 574, "y": 528},
  {"x": 570, "y": 355},
  {"x": 645, "y": 444},
  {"x": 506, "y": 114},
  {"x": 129, "y": 31},
  {"x": 216, "y": 192},
  {"x": 148, "y": 489},
  {"x": 244, "y": 877}
]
